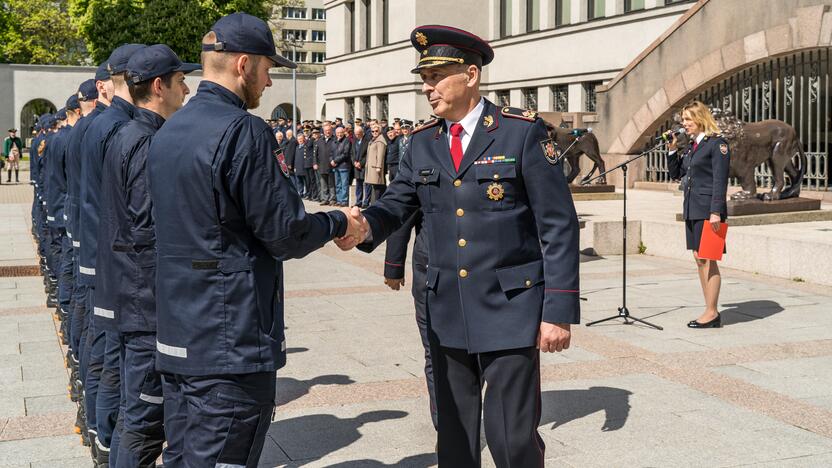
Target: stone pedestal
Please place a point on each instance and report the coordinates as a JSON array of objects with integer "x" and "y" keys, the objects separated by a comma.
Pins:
[
  {"x": 592, "y": 188},
  {"x": 758, "y": 207}
]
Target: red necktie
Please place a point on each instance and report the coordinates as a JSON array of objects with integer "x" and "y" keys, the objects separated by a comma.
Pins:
[
  {"x": 695, "y": 144},
  {"x": 456, "y": 144}
]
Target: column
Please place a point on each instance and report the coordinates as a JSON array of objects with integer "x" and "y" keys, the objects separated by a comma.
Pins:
[
  {"x": 653, "y": 4},
  {"x": 359, "y": 14},
  {"x": 577, "y": 96},
  {"x": 518, "y": 17},
  {"x": 516, "y": 98},
  {"x": 545, "y": 100},
  {"x": 613, "y": 8},
  {"x": 579, "y": 11},
  {"x": 375, "y": 109},
  {"x": 547, "y": 14},
  {"x": 376, "y": 17}
]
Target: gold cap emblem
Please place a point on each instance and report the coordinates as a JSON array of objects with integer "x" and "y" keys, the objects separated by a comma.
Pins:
[
  {"x": 421, "y": 39},
  {"x": 496, "y": 191}
]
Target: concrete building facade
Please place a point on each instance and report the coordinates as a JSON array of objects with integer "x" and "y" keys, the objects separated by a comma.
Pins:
[{"x": 550, "y": 54}]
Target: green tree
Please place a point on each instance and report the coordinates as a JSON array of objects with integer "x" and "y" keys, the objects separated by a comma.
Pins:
[
  {"x": 38, "y": 31},
  {"x": 106, "y": 24}
]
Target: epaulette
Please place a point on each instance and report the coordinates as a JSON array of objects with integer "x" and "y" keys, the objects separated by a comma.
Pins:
[
  {"x": 517, "y": 113},
  {"x": 429, "y": 124}
]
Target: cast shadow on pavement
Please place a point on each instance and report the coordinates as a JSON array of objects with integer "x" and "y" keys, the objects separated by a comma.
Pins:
[
  {"x": 747, "y": 311},
  {"x": 563, "y": 406},
  {"x": 309, "y": 438},
  {"x": 424, "y": 460},
  {"x": 289, "y": 389}
]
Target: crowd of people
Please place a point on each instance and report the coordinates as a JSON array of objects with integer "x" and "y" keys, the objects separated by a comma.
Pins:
[{"x": 326, "y": 157}]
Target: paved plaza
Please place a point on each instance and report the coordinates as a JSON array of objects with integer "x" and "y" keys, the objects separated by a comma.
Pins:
[{"x": 757, "y": 392}]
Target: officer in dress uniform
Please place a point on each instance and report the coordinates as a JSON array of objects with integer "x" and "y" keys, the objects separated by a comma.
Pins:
[
  {"x": 704, "y": 169},
  {"x": 156, "y": 82},
  {"x": 502, "y": 237},
  {"x": 105, "y": 344},
  {"x": 226, "y": 216}
]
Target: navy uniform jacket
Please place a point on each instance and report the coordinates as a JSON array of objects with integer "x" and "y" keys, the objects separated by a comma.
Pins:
[
  {"x": 498, "y": 266},
  {"x": 95, "y": 146},
  {"x": 706, "y": 170},
  {"x": 34, "y": 163},
  {"x": 404, "y": 147},
  {"x": 289, "y": 147},
  {"x": 43, "y": 169},
  {"x": 73, "y": 168},
  {"x": 300, "y": 158},
  {"x": 308, "y": 154},
  {"x": 133, "y": 240},
  {"x": 393, "y": 150},
  {"x": 56, "y": 175},
  {"x": 395, "y": 255},
  {"x": 359, "y": 155},
  {"x": 226, "y": 215}
]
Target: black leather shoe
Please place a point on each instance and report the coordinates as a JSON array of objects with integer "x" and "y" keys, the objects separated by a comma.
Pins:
[{"x": 715, "y": 323}]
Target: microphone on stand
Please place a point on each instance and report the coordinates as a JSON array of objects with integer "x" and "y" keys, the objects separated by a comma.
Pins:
[{"x": 668, "y": 135}]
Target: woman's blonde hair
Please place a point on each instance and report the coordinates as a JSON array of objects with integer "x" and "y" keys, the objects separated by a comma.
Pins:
[{"x": 700, "y": 114}]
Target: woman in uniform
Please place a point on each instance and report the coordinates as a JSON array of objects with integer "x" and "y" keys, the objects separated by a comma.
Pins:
[{"x": 703, "y": 169}]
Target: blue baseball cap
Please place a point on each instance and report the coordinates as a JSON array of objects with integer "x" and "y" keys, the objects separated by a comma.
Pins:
[
  {"x": 247, "y": 34},
  {"x": 87, "y": 91},
  {"x": 156, "y": 60},
  {"x": 44, "y": 120},
  {"x": 72, "y": 103},
  {"x": 61, "y": 114},
  {"x": 117, "y": 63},
  {"x": 101, "y": 73}
]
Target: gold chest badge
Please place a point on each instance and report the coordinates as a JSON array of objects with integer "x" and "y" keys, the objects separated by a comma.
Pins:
[{"x": 496, "y": 191}]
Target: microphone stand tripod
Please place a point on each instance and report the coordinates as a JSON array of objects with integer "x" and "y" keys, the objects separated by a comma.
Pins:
[{"x": 623, "y": 312}]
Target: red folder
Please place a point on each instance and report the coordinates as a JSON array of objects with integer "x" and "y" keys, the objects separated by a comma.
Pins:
[{"x": 712, "y": 244}]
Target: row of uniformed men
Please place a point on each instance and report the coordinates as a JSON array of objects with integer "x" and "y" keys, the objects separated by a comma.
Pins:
[
  {"x": 91, "y": 216},
  {"x": 126, "y": 185}
]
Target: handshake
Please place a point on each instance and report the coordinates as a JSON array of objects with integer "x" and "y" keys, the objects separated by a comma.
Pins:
[{"x": 358, "y": 229}]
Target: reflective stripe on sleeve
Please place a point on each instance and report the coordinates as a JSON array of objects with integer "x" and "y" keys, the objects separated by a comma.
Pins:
[
  {"x": 156, "y": 400},
  {"x": 169, "y": 350},
  {"x": 106, "y": 313},
  {"x": 86, "y": 271}
]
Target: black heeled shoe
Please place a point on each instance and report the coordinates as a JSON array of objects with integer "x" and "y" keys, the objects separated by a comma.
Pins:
[{"x": 715, "y": 323}]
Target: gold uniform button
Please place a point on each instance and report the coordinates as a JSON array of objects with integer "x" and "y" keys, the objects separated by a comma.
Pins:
[
  {"x": 463, "y": 273},
  {"x": 457, "y": 183},
  {"x": 496, "y": 176},
  {"x": 462, "y": 242},
  {"x": 528, "y": 283},
  {"x": 460, "y": 212}
]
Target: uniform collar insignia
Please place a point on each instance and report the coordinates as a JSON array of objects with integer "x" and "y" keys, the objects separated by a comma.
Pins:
[{"x": 488, "y": 121}]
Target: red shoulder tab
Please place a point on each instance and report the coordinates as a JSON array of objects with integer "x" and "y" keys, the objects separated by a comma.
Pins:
[
  {"x": 522, "y": 114},
  {"x": 429, "y": 124}
]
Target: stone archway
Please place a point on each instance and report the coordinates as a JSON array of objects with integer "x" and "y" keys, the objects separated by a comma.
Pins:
[
  {"x": 634, "y": 105},
  {"x": 30, "y": 113},
  {"x": 285, "y": 111}
]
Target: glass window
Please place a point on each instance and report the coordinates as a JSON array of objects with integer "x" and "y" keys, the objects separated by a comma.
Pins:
[
  {"x": 318, "y": 57},
  {"x": 563, "y": 14},
  {"x": 318, "y": 36},
  {"x": 350, "y": 110},
  {"x": 589, "y": 88},
  {"x": 505, "y": 18},
  {"x": 318, "y": 14},
  {"x": 532, "y": 15},
  {"x": 595, "y": 9},
  {"x": 351, "y": 21},
  {"x": 294, "y": 13},
  {"x": 384, "y": 107},
  {"x": 385, "y": 26},
  {"x": 368, "y": 21},
  {"x": 365, "y": 103},
  {"x": 297, "y": 34},
  {"x": 503, "y": 98},
  {"x": 299, "y": 57},
  {"x": 530, "y": 98},
  {"x": 560, "y": 96},
  {"x": 633, "y": 5}
]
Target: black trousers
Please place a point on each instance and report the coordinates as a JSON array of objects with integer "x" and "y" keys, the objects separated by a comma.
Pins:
[
  {"x": 312, "y": 190},
  {"x": 392, "y": 169},
  {"x": 510, "y": 408}
]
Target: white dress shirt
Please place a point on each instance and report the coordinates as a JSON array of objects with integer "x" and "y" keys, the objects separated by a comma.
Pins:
[{"x": 469, "y": 124}]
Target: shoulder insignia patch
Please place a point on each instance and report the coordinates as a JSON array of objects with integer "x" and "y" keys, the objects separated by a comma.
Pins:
[
  {"x": 281, "y": 162},
  {"x": 523, "y": 114},
  {"x": 551, "y": 150},
  {"x": 723, "y": 148},
  {"x": 429, "y": 124},
  {"x": 41, "y": 147}
]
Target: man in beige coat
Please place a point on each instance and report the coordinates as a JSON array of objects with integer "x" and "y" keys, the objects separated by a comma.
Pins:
[{"x": 376, "y": 152}]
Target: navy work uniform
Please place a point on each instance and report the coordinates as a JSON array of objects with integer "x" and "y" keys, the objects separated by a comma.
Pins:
[
  {"x": 147, "y": 407},
  {"x": 395, "y": 257},
  {"x": 704, "y": 169},
  {"x": 226, "y": 216},
  {"x": 103, "y": 337},
  {"x": 502, "y": 239},
  {"x": 55, "y": 204}
]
